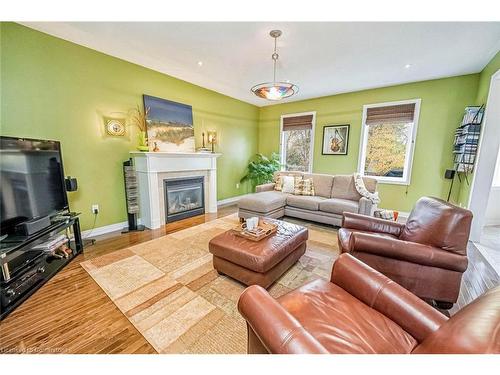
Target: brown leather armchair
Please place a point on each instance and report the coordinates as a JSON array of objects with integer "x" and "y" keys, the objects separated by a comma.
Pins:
[
  {"x": 362, "y": 311},
  {"x": 427, "y": 255}
]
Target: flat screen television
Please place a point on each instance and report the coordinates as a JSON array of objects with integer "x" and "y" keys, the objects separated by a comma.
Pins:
[{"x": 31, "y": 181}]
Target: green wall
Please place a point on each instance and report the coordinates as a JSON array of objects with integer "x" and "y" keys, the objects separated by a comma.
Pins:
[
  {"x": 442, "y": 106},
  {"x": 481, "y": 98},
  {"x": 54, "y": 89}
]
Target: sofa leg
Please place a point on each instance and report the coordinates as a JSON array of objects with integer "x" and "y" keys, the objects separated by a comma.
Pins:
[{"x": 443, "y": 305}]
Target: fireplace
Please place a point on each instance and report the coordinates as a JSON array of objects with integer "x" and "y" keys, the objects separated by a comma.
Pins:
[{"x": 184, "y": 197}]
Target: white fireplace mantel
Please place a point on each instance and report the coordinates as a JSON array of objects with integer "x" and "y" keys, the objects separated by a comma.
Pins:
[{"x": 153, "y": 167}]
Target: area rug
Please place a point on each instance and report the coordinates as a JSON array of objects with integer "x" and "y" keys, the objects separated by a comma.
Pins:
[{"x": 169, "y": 291}]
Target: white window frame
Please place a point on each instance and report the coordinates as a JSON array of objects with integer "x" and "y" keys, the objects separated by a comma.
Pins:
[
  {"x": 410, "y": 148},
  {"x": 282, "y": 139}
]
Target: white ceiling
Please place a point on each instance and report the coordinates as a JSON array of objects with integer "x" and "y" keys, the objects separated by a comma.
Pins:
[{"x": 321, "y": 58}]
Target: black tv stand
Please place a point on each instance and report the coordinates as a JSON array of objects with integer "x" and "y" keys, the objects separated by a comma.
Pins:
[{"x": 25, "y": 269}]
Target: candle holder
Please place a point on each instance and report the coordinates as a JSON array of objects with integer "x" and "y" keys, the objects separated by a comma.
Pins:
[
  {"x": 203, "y": 148},
  {"x": 212, "y": 139}
]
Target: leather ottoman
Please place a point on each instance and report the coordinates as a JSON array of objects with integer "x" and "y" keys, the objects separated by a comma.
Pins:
[{"x": 259, "y": 263}]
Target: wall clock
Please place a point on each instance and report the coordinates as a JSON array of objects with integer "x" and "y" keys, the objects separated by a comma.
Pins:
[{"x": 115, "y": 127}]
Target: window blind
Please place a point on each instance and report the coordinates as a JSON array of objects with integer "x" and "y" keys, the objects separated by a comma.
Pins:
[
  {"x": 392, "y": 113},
  {"x": 297, "y": 122}
]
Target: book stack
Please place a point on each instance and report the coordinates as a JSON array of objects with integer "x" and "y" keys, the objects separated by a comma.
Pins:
[
  {"x": 53, "y": 244},
  {"x": 473, "y": 115},
  {"x": 467, "y": 139}
]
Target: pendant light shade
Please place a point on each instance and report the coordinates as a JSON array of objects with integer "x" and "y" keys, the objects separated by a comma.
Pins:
[{"x": 275, "y": 90}]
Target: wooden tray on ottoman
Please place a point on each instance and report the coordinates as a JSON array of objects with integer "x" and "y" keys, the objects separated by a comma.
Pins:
[{"x": 264, "y": 229}]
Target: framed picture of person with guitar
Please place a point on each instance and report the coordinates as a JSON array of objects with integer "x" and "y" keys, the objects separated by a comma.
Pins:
[{"x": 335, "y": 139}]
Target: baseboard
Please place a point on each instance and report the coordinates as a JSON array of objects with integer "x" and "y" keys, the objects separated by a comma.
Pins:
[
  {"x": 104, "y": 229},
  {"x": 404, "y": 214},
  {"x": 232, "y": 200},
  {"x": 99, "y": 231},
  {"x": 491, "y": 222}
]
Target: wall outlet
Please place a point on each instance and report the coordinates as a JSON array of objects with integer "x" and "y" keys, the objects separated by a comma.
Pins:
[
  {"x": 95, "y": 209},
  {"x": 237, "y": 185}
]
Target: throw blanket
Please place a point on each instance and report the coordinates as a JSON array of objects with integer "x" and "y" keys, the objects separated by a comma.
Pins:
[{"x": 363, "y": 191}]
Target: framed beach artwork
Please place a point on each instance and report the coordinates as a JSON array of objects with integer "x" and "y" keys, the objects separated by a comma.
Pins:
[
  {"x": 170, "y": 125},
  {"x": 335, "y": 139}
]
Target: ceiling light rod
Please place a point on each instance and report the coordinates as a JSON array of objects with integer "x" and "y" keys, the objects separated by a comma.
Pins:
[
  {"x": 275, "y": 90},
  {"x": 275, "y": 34}
]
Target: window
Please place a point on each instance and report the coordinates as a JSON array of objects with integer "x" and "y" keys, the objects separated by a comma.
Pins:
[
  {"x": 388, "y": 139},
  {"x": 297, "y": 140}
]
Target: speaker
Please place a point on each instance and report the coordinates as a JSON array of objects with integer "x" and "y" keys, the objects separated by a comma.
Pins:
[
  {"x": 71, "y": 184},
  {"x": 449, "y": 174},
  {"x": 32, "y": 226}
]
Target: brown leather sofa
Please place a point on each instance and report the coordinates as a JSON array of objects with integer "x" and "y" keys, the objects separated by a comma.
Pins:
[
  {"x": 362, "y": 311},
  {"x": 427, "y": 255}
]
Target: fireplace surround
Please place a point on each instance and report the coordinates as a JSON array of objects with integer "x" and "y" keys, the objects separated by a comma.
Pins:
[{"x": 154, "y": 167}]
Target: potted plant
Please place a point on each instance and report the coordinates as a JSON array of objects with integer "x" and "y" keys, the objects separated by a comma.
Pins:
[
  {"x": 261, "y": 169},
  {"x": 138, "y": 119}
]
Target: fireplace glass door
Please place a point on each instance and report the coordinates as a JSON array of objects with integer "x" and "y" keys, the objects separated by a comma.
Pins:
[{"x": 184, "y": 197}]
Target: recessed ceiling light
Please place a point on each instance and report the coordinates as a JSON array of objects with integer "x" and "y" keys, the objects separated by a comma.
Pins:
[
  {"x": 408, "y": 66},
  {"x": 200, "y": 63}
]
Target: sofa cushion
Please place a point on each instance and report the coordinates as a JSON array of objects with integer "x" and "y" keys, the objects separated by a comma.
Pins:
[
  {"x": 344, "y": 324},
  {"x": 322, "y": 184},
  {"x": 343, "y": 187},
  {"x": 338, "y": 206},
  {"x": 438, "y": 223},
  {"x": 265, "y": 201},
  {"x": 475, "y": 329},
  {"x": 304, "y": 202}
]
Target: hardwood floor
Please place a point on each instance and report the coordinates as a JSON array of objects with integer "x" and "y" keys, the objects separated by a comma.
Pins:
[
  {"x": 479, "y": 277},
  {"x": 71, "y": 313}
]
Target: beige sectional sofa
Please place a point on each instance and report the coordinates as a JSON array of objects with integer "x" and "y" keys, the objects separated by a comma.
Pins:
[{"x": 333, "y": 196}]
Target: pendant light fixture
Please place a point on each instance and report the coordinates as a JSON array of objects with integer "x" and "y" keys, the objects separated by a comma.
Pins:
[{"x": 275, "y": 90}]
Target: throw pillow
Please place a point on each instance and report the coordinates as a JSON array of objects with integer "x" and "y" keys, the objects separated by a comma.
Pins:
[
  {"x": 386, "y": 214},
  {"x": 359, "y": 184},
  {"x": 298, "y": 185},
  {"x": 278, "y": 185},
  {"x": 304, "y": 187},
  {"x": 307, "y": 187},
  {"x": 288, "y": 184}
]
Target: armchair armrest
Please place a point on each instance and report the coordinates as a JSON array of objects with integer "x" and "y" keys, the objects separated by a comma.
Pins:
[
  {"x": 407, "y": 251},
  {"x": 382, "y": 294},
  {"x": 265, "y": 187},
  {"x": 366, "y": 207},
  {"x": 371, "y": 224},
  {"x": 275, "y": 327}
]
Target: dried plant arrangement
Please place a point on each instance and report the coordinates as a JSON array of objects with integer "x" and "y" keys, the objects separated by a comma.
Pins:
[{"x": 139, "y": 118}]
